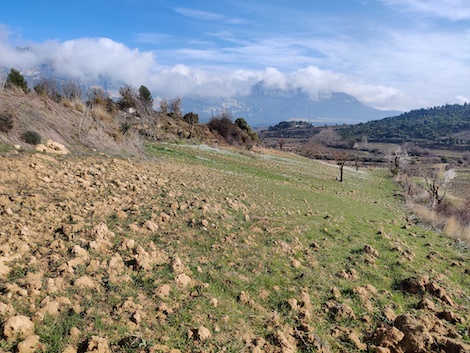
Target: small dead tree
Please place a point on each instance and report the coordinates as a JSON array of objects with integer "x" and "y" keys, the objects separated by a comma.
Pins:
[
  {"x": 3, "y": 80},
  {"x": 399, "y": 159},
  {"x": 48, "y": 87},
  {"x": 341, "y": 159},
  {"x": 436, "y": 186},
  {"x": 175, "y": 108},
  {"x": 192, "y": 119},
  {"x": 281, "y": 142},
  {"x": 72, "y": 90}
]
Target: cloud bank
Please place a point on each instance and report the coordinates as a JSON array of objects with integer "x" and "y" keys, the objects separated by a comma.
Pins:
[{"x": 91, "y": 60}]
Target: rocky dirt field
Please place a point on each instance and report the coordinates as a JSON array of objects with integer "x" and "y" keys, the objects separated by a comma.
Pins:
[{"x": 196, "y": 249}]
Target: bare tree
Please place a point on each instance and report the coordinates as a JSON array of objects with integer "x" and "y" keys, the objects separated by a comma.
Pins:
[
  {"x": 341, "y": 158},
  {"x": 71, "y": 90},
  {"x": 164, "y": 106},
  {"x": 436, "y": 186},
  {"x": 48, "y": 86},
  {"x": 129, "y": 97},
  {"x": 175, "y": 108},
  {"x": 399, "y": 159},
  {"x": 3, "y": 79},
  {"x": 97, "y": 95},
  {"x": 192, "y": 119},
  {"x": 326, "y": 137}
]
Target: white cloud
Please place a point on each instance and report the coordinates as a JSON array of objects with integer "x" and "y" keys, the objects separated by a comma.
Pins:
[
  {"x": 198, "y": 14},
  {"x": 87, "y": 59},
  {"x": 460, "y": 100},
  {"x": 207, "y": 16},
  {"x": 453, "y": 10}
]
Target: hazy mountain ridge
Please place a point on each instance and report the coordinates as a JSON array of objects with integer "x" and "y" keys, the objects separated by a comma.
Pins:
[{"x": 269, "y": 107}]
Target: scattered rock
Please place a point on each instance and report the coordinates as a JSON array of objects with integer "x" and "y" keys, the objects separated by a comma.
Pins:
[
  {"x": 163, "y": 291},
  {"x": 29, "y": 345},
  {"x": 151, "y": 226},
  {"x": 183, "y": 280},
  {"x": 389, "y": 314},
  {"x": 85, "y": 282},
  {"x": 388, "y": 336},
  {"x": 370, "y": 251},
  {"x": 336, "y": 293},
  {"x": 52, "y": 147},
  {"x": 6, "y": 310},
  {"x": 451, "y": 317},
  {"x": 70, "y": 349},
  {"x": 98, "y": 345},
  {"x": 415, "y": 285},
  {"x": 341, "y": 311},
  {"x": 17, "y": 327},
  {"x": 203, "y": 333},
  {"x": 426, "y": 304},
  {"x": 422, "y": 283},
  {"x": 416, "y": 337}
]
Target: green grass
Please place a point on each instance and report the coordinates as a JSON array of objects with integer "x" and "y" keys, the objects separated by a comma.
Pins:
[
  {"x": 5, "y": 147},
  {"x": 257, "y": 231},
  {"x": 302, "y": 200}
]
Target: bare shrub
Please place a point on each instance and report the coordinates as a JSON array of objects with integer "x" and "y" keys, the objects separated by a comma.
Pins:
[
  {"x": 6, "y": 121},
  {"x": 100, "y": 113},
  {"x": 79, "y": 106},
  {"x": 225, "y": 127},
  {"x": 96, "y": 95},
  {"x": 129, "y": 97},
  {"x": 3, "y": 79},
  {"x": 327, "y": 137},
  {"x": 175, "y": 108},
  {"x": 452, "y": 227},
  {"x": 72, "y": 90},
  {"x": 48, "y": 87}
]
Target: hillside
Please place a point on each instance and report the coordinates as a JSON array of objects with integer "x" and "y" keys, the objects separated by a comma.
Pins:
[
  {"x": 447, "y": 125},
  {"x": 196, "y": 249},
  {"x": 85, "y": 130}
]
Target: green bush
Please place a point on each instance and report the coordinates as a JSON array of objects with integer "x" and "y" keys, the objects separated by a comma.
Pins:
[
  {"x": 191, "y": 118},
  {"x": 15, "y": 79},
  {"x": 145, "y": 96},
  {"x": 6, "y": 121},
  {"x": 31, "y": 137}
]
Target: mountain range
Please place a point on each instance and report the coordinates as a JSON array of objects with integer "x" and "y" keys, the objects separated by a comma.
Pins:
[{"x": 266, "y": 107}]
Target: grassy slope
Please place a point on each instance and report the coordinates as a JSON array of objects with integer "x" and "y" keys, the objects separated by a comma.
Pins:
[
  {"x": 257, "y": 231},
  {"x": 292, "y": 203}
]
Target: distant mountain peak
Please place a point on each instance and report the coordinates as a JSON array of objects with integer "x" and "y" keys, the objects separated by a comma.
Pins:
[{"x": 267, "y": 106}]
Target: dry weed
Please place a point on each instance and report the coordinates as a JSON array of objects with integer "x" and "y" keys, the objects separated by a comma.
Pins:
[{"x": 100, "y": 113}]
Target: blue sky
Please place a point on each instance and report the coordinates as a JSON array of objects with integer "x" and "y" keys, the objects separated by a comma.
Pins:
[{"x": 390, "y": 54}]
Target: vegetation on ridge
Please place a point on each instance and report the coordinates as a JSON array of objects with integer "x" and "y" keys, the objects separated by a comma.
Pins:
[{"x": 447, "y": 125}]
